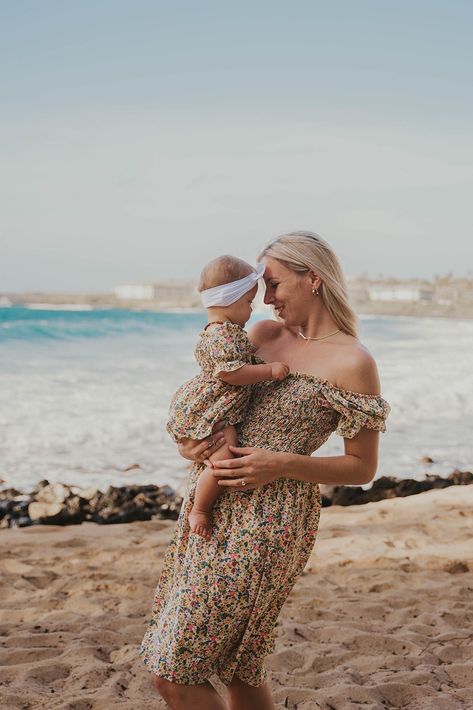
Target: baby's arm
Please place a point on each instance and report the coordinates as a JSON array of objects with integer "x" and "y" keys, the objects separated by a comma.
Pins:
[{"x": 250, "y": 374}]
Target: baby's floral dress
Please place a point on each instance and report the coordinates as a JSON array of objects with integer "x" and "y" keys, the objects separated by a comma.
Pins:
[
  {"x": 217, "y": 602},
  {"x": 204, "y": 400}
]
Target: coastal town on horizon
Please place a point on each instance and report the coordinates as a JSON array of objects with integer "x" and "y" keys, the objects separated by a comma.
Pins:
[{"x": 448, "y": 296}]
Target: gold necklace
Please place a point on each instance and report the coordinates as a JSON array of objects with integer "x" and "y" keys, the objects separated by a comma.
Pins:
[{"x": 322, "y": 338}]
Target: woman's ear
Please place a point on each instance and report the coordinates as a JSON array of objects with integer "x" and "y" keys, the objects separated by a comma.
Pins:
[{"x": 315, "y": 280}]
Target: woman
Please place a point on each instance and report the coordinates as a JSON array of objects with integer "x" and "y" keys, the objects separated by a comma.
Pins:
[{"x": 218, "y": 601}]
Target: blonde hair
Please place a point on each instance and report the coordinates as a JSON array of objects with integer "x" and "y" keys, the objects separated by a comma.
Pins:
[
  {"x": 223, "y": 270},
  {"x": 306, "y": 251}
]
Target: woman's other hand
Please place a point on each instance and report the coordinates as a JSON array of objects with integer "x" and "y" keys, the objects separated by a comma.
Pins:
[
  {"x": 257, "y": 466},
  {"x": 200, "y": 450}
]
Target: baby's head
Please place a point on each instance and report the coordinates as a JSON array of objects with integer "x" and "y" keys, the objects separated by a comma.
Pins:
[{"x": 227, "y": 270}]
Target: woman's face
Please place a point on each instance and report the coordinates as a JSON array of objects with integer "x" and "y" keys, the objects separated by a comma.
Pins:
[{"x": 288, "y": 292}]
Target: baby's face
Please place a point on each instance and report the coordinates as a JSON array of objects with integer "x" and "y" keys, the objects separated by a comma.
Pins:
[{"x": 240, "y": 311}]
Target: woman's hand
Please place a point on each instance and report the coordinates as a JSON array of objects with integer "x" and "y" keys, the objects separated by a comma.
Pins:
[
  {"x": 256, "y": 466},
  {"x": 200, "y": 450}
]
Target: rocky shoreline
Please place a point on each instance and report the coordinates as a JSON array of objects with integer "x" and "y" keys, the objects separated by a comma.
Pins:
[
  {"x": 61, "y": 504},
  {"x": 390, "y": 487}
]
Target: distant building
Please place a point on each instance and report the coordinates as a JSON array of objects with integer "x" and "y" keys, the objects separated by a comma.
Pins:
[
  {"x": 176, "y": 292},
  {"x": 131, "y": 292},
  {"x": 164, "y": 293},
  {"x": 400, "y": 292}
]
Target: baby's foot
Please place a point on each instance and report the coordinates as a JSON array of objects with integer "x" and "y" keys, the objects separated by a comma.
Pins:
[{"x": 199, "y": 522}]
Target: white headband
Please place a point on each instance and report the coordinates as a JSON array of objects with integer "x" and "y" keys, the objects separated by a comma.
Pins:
[{"x": 226, "y": 294}]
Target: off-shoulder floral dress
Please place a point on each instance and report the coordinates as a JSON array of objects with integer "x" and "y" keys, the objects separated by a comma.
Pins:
[
  {"x": 204, "y": 400},
  {"x": 217, "y": 601}
]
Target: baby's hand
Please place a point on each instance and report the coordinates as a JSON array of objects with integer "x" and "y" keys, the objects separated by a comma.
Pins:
[{"x": 279, "y": 370}]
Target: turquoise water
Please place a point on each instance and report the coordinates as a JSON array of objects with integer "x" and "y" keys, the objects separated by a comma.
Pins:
[
  {"x": 84, "y": 393},
  {"x": 38, "y": 325}
]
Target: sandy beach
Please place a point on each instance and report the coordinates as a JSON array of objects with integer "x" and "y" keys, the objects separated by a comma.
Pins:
[{"x": 381, "y": 617}]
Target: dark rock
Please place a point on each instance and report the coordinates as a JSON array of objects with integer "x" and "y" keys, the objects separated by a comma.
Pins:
[
  {"x": 426, "y": 459},
  {"x": 170, "y": 510},
  {"x": 390, "y": 487},
  {"x": 167, "y": 491},
  {"x": 21, "y": 506},
  {"x": 95, "y": 503},
  {"x": 5, "y": 507},
  {"x": 141, "y": 500},
  {"x": 384, "y": 483},
  {"x": 22, "y": 522},
  {"x": 409, "y": 487},
  {"x": 348, "y": 495},
  {"x": 74, "y": 513},
  {"x": 461, "y": 478},
  {"x": 133, "y": 502},
  {"x": 9, "y": 493}
]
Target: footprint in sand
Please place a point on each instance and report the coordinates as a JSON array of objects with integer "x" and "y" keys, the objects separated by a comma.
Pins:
[
  {"x": 410, "y": 543},
  {"x": 73, "y": 542}
]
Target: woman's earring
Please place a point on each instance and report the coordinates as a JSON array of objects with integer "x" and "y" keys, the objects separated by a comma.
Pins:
[{"x": 315, "y": 291}]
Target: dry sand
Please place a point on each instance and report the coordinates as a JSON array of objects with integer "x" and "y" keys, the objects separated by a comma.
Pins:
[{"x": 381, "y": 617}]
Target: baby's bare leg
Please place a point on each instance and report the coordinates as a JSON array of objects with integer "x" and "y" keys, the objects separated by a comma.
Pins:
[{"x": 207, "y": 489}]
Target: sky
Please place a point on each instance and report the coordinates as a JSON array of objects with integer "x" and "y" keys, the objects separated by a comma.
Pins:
[{"x": 140, "y": 139}]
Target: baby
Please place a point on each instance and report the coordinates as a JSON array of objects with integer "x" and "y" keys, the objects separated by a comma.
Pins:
[{"x": 220, "y": 391}]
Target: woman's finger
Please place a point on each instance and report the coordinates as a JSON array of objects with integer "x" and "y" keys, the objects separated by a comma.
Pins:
[
  {"x": 231, "y": 483},
  {"x": 233, "y": 463},
  {"x": 204, "y": 446},
  {"x": 210, "y": 444},
  {"x": 242, "y": 450},
  {"x": 225, "y": 473}
]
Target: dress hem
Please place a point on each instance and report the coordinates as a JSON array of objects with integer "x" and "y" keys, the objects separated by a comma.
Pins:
[{"x": 171, "y": 676}]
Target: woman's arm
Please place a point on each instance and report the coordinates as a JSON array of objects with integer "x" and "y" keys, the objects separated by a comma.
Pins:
[
  {"x": 357, "y": 466},
  {"x": 261, "y": 466}
]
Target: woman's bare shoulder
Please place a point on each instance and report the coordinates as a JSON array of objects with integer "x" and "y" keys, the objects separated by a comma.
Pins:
[
  {"x": 264, "y": 330},
  {"x": 358, "y": 370}
]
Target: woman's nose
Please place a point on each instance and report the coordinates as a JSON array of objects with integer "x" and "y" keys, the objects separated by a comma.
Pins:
[{"x": 267, "y": 296}]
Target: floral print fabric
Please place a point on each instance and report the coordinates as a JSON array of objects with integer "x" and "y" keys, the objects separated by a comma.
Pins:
[
  {"x": 206, "y": 399},
  {"x": 217, "y": 602}
]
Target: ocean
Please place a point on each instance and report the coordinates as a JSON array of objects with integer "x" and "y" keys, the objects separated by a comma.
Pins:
[{"x": 84, "y": 394}]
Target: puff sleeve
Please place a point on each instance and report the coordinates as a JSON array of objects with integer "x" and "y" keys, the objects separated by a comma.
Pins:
[
  {"x": 356, "y": 410},
  {"x": 228, "y": 348}
]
